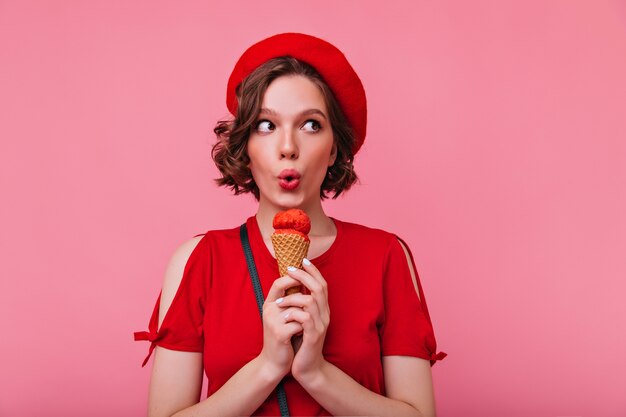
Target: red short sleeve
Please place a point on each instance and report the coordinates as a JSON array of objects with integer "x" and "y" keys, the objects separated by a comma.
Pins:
[
  {"x": 407, "y": 328},
  {"x": 182, "y": 327}
]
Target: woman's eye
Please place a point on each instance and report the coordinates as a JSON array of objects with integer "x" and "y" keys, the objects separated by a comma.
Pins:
[
  {"x": 266, "y": 126},
  {"x": 263, "y": 125},
  {"x": 315, "y": 124}
]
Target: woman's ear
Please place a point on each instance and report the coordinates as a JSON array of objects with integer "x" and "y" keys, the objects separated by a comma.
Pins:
[{"x": 333, "y": 155}]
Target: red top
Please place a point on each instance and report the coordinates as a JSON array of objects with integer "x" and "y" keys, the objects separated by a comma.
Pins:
[{"x": 374, "y": 308}]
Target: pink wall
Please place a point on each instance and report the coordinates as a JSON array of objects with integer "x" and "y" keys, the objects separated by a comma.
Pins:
[{"x": 500, "y": 124}]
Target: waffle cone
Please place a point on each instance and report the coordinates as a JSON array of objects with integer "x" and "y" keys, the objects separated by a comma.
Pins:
[{"x": 290, "y": 249}]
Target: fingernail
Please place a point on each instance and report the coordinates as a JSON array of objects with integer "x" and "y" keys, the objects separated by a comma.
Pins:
[
  {"x": 286, "y": 315},
  {"x": 280, "y": 300},
  {"x": 306, "y": 262},
  {"x": 292, "y": 268}
]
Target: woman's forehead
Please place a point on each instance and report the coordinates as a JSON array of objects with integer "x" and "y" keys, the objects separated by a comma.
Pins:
[
  {"x": 291, "y": 96},
  {"x": 306, "y": 112}
]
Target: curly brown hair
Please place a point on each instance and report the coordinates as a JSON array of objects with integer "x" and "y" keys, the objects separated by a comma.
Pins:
[{"x": 230, "y": 151}]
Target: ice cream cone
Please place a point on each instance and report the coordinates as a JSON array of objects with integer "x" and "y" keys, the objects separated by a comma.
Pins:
[
  {"x": 290, "y": 249},
  {"x": 291, "y": 241}
]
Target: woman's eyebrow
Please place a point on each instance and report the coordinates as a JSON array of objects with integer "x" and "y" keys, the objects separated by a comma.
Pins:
[{"x": 304, "y": 113}]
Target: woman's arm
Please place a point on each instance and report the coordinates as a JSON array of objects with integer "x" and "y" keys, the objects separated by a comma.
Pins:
[
  {"x": 176, "y": 381},
  {"x": 408, "y": 385}
]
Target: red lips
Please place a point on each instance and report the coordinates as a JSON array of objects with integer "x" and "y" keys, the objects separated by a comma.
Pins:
[
  {"x": 289, "y": 179},
  {"x": 289, "y": 173}
]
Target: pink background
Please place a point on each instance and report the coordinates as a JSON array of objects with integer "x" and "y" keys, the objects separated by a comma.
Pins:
[{"x": 496, "y": 130}]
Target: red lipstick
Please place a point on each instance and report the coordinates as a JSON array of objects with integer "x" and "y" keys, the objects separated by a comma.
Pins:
[{"x": 289, "y": 179}]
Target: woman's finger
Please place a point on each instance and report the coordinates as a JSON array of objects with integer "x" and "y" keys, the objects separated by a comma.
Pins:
[
  {"x": 304, "y": 302},
  {"x": 315, "y": 273},
  {"x": 307, "y": 279},
  {"x": 290, "y": 329},
  {"x": 277, "y": 321},
  {"x": 317, "y": 288},
  {"x": 309, "y": 326},
  {"x": 279, "y": 286}
]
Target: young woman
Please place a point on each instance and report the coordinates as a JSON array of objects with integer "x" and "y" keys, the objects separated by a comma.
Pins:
[{"x": 367, "y": 339}]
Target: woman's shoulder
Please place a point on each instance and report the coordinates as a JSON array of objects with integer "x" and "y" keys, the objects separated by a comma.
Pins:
[
  {"x": 220, "y": 237},
  {"x": 370, "y": 234},
  {"x": 183, "y": 251},
  {"x": 201, "y": 242},
  {"x": 209, "y": 242},
  {"x": 375, "y": 241}
]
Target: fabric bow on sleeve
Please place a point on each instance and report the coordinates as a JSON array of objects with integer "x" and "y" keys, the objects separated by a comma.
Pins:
[{"x": 152, "y": 334}]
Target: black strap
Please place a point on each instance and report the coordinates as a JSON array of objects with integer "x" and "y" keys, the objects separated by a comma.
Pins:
[{"x": 258, "y": 293}]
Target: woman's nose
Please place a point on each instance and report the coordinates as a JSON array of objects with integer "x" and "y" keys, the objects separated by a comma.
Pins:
[{"x": 288, "y": 145}]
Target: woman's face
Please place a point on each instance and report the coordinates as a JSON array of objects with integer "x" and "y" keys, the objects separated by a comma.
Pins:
[{"x": 292, "y": 132}]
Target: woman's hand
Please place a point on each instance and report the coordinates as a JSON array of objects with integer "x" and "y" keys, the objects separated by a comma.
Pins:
[
  {"x": 311, "y": 311},
  {"x": 278, "y": 330}
]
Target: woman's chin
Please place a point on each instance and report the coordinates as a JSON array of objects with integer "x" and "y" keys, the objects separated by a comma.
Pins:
[
  {"x": 289, "y": 205},
  {"x": 284, "y": 199},
  {"x": 290, "y": 201}
]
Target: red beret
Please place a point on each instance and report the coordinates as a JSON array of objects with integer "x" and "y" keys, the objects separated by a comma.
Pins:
[{"x": 329, "y": 61}]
